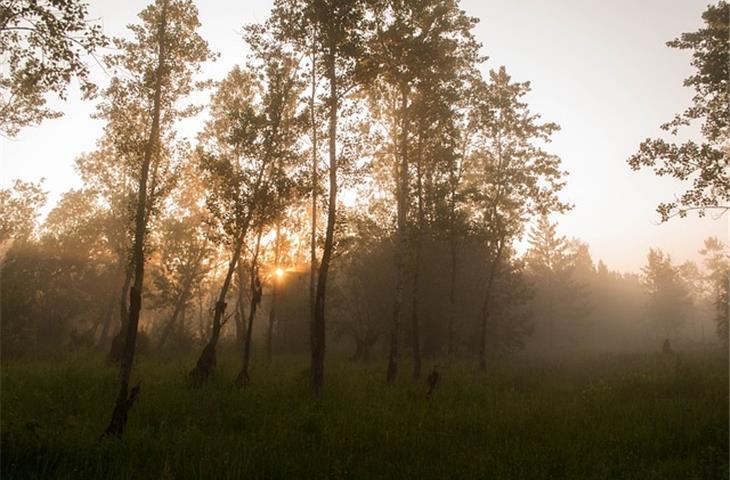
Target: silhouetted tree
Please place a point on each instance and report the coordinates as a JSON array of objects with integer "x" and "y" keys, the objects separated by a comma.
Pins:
[
  {"x": 244, "y": 148},
  {"x": 20, "y": 206},
  {"x": 705, "y": 164},
  {"x": 335, "y": 28},
  {"x": 717, "y": 263},
  {"x": 561, "y": 297},
  {"x": 160, "y": 63},
  {"x": 668, "y": 295},
  {"x": 43, "y": 44},
  {"x": 510, "y": 178},
  {"x": 420, "y": 50}
]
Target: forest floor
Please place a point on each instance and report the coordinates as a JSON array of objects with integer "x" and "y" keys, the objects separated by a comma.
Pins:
[{"x": 607, "y": 417}]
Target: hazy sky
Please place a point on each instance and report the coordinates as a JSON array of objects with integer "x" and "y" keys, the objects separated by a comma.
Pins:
[{"x": 600, "y": 69}]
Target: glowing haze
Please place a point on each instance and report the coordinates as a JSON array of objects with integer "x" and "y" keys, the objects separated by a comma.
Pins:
[{"x": 599, "y": 69}]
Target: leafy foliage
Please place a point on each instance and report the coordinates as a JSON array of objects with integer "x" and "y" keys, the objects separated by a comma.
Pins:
[
  {"x": 707, "y": 163},
  {"x": 45, "y": 41},
  {"x": 20, "y": 206}
]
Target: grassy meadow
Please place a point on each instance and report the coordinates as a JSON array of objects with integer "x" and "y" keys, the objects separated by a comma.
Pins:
[{"x": 607, "y": 417}]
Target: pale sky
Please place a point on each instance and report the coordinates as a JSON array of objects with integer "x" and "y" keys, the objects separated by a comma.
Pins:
[{"x": 599, "y": 69}]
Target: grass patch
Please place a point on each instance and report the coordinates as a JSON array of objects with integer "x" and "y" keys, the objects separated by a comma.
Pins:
[{"x": 629, "y": 417}]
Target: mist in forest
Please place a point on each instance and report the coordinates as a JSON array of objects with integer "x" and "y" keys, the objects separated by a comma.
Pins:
[{"x": 346, "y": 254}]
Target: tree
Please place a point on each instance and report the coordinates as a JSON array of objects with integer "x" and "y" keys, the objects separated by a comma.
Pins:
[
  {"x": 335, "y": 28},
  {"x": 339, "y": 28},
  {"x": 561, "y": 297},
  {"x": 244, "y": 150},
  {"x": 419, "y": 51},
  {"x": 314, "y": 129},
  {"x": 453, "y": 56},
  {"x": 668, "y": 295},
  {"x": 243, "y": 379},
  {"x": 129, "y": 108},
  {"x": 705, "y": 163},
  {"x": 50, "y": 280},
  {"x": 284, "y": 228},
  {"x": 162, "y": 59},
  {"x": 20, "y": 207},
  {"x": 233, "y": 167},
  {"x": 510, "y": 317},
  {"x": 717, "y": 263},
  {"x": 45, "y": 42},
  {"x": 362, "y": 284},
  {"x": 109, "y": 172},
  {"x": 510, "y": 177},
  {"x": 73, "y": 236},
  {"x": 457, "y": 211},
  {"x": 184, "y": 251}
]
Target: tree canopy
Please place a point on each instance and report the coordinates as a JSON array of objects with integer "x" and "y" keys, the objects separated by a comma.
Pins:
[{"x": 705, "y": 164}]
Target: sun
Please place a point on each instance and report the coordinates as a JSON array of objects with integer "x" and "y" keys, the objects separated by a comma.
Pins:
[{"x": 279, "y": 272}]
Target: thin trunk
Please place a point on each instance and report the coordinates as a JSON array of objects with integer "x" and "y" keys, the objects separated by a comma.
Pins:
[
  {"x": 485, "y": 307},
  {"x": 452, "y": 288},
  {"x": 401, "y": 248},
  {"x": 415, "y": 323},
  {"x": 452, "y": 269},
  {"x": 315, "y": 185},
  {"x": 274, "y": 289},
  {"x": 416, "y": 334},
  {"x": 243, "y": 379},
  {"x": 125, "y": 398},
  {"x": 495, "y": 222},
  {"x": 454, "y": 179},
  {"x": 207, "y": 360},
  {"x": 318, "y": 325}
]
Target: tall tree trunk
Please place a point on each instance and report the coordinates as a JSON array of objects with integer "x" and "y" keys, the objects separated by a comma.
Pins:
[
  {"x": 452, "y": 291},
  {"x": 243, "y": 379},
  {"x": 418, "y": 233},
  {"x": 455, "y": 173},
  {"x": 415, "y": 324},
  {"x": 485, "y": 307},
  {"x": 401, "y": 248},
  {"x": 207, "y": 360},
  {"x": 125, "y": 398},
  {"x": 318, "y": 325},
  {"x": 452, "y": 272},
  {"x": 315, "y": 186},
  {"x": 274, "y": 290}
]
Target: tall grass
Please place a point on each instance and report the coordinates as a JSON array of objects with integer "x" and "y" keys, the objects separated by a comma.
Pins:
[{"x": 640, "y": 417}]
